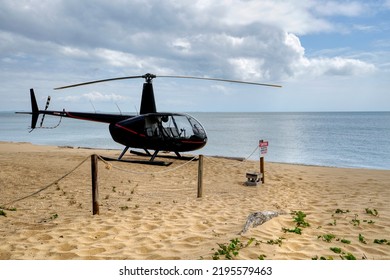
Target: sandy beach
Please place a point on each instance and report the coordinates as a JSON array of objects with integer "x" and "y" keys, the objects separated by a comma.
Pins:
[{"x": 152, "y": 212}]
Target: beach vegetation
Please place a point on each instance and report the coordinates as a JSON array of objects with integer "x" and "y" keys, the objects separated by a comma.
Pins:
[
  {"x": 230, "y": 251},
  {"x": 362, "y": 239},
  {"x": 278, "y": 241},
  {"x": 372, "y": 212},
  {"x": 327, "y": 237},
  {"x": 299, "y": 218},
  {"x": 8, "y": 209},
  {"x": 355, "y": 221},
  {"x": 343, "y": 255},
  {"x": 340, "y": 211},
  {"x": 382, "y": 241},
  {"x": 322, "y": 258},
  {"x": 337, "y": 250},
  {"x": 262, "y": 257},
  {"x": 296, "y": 230},
  {"x": 347, "y": 256},
  {"x": 345, "y": 241},
  {"x": 3, "y": 213}
]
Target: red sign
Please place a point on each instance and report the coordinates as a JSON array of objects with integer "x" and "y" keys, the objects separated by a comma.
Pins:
[
  {"x": 263, "y": 147},
  {"x": 263, "y": 143}
]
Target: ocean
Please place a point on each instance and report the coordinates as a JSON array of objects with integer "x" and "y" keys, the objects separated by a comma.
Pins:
[{"x": 337, "y": 139}]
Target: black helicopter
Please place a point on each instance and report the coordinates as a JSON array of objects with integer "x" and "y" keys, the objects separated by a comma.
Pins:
[{"x": 150, "y": 130}]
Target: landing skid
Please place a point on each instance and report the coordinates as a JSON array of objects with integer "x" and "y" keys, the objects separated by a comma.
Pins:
[
  {"x": 148, "y": 154},
  {"x": 146, "y": 151},
  {"x": 160, "y": 163}
]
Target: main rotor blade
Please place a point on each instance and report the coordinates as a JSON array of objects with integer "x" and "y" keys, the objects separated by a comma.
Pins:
[
  {"x": 100, "y": 81},
  {"x": 149, "y": 77},
  {"x": 220, "y": 80}
]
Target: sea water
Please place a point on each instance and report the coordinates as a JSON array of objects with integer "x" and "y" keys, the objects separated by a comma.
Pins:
[{"x": 339, "y": 139}]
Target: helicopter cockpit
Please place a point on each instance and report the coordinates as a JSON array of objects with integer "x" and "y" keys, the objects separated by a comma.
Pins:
[{"x": 179, "y": 126}]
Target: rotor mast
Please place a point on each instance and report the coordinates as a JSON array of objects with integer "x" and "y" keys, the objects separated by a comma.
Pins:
[{"x": 148, "y": 103}]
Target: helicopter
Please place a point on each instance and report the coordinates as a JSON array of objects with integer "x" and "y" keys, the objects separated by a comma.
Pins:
[{"x": 149, "y": 130}]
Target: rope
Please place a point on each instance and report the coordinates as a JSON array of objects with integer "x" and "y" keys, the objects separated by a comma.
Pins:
[
  {"x": 109, "y": 166},
  {"x": 245, "y": 159},
  {"x": 49, "y": 185}
]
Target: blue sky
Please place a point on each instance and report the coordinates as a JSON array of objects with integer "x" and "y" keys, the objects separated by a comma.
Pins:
[{"x": 327, "y": 55}]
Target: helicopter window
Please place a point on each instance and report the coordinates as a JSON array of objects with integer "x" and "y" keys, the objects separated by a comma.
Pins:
[
  {"x": 152, "y": 127},
  {"x": 183, "y": 126},
  {"x": 197, "y": 127},
  {"x": 172, "y": 126},
  {"x": 169, "y": 127}
]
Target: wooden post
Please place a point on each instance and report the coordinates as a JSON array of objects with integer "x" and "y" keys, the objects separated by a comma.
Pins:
[
  {"x": 95, "y": 193},
  {"x": 200, "y": 176},
  {"x": 262, "y": 169}
]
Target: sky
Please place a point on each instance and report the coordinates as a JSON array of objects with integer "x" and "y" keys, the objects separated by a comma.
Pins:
[{"x": 326, "y": 55}]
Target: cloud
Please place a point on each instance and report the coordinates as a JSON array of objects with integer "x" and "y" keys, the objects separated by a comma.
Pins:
[
  {"x": 54, "y": 42},
  {"x": 233, "y": 39},
  {"x": 94, "y": 96},
  {"x": 340, "y": 8},
  {"x": 303, "y": 66}
]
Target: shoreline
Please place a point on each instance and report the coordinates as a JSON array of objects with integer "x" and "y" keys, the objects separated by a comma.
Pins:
[
  {"x": 213, "y": 156},
  {"x": 152, "y": 212}
]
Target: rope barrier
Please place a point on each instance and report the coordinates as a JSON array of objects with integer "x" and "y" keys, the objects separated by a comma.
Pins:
[
  {"x": 109, "y": 166},
  {"x": 240, "y": 162},
  {"x": 49, "y": 185}
]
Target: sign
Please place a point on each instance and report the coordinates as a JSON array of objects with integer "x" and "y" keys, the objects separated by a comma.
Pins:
[{"x": 263, "y": 147}]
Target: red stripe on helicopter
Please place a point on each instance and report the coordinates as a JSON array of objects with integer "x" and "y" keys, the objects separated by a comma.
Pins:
[
  {"x": 192, "y": 142},
  {"x": 129, "y": 130},
  {"x": 75, "y": 117}
]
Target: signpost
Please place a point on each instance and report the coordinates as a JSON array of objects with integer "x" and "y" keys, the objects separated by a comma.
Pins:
[{"x": 263, "y": 145}]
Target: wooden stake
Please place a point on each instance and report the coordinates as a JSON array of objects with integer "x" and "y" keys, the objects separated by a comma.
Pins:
[
  {"x": 200, "y": 176},
  {"x": 95, "y": 193},
  {"x": 262, "y": 169}
]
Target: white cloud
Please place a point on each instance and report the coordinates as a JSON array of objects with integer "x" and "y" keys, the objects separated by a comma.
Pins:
[
  {"x": 325, "y": 66},
  {"x": 98, "y": 96},
  {"x": 73, "y": 52},
  {"x": 72, "y": 41},
  {"x": 339, "y": 8},
  {"x": 94, "y": 96}
]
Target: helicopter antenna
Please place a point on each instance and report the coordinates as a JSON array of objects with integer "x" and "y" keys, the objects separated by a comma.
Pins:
[
  {"x": 92, "y": 105},
  {"x": 119, "y": 109}
]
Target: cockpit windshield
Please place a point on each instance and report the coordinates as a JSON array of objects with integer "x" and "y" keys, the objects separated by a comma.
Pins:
[{"x": 173, "y": 126}]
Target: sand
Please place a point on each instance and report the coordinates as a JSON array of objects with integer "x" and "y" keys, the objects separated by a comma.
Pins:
[{"x": 152, "y": 212}]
